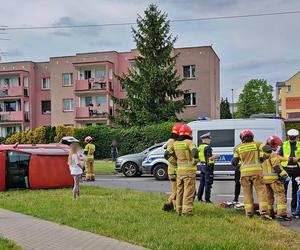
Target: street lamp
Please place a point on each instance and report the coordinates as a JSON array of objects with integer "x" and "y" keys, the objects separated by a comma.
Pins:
[{"x": 232, "y": 103}]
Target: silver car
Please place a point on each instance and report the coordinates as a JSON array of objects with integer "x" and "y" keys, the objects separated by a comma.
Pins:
[{"x": 131, "y": 165}]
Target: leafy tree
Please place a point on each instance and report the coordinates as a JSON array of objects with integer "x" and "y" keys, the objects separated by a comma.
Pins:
[
  {"x": 256, "y": 98},
  {"x": 152, "y": 85},
  {"x": 225, "y": 109}
]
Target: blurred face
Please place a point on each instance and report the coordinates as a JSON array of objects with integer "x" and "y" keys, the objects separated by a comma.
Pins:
[
  {"x": 74, "y": 146},
  {"x": 207, "y": 140},
  {"x": 292, "y": 138}
]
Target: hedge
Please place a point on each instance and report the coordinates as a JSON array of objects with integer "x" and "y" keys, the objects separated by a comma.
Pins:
[{"x": 132, "y": 140}]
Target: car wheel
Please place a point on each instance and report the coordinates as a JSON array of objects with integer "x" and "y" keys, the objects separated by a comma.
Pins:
[
  {"x": 130, "y": 169},
  {"x": 160, "y": 172}
]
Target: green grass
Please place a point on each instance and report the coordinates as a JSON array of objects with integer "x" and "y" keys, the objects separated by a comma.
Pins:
[
  {"x": 104, "y": 167},
  {"x": 137, "y": 217},
  {"x": 8, "y": 245}
]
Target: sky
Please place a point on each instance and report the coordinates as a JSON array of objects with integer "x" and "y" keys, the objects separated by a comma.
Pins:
[{"x": 262, "y": 47}]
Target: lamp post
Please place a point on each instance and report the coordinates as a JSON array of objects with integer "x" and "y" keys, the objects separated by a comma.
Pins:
[{"x": 232, "y": 103}]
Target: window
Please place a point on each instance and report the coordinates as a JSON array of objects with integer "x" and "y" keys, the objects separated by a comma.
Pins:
[
  {"x": 26, "y": 82},
  {"x": 46, "y": 83},
  {"x": 88, "y": 100},
  {"x": 289, "y": 88},
  {"x": 100, "y": 74},
  {"x": 68, "y": 105},
  {"x": 221, "y": 138},
  {"x": 190, "y": 99},
  {"x": 46, "y": 107},
  {"x": 67, "y": 79},
  {"x": 87, "y": 74},
  {"x": 189, "y": 71}
]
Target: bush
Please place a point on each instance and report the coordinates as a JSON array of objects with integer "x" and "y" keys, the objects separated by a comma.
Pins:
[
  {"x": 132, "y": 140},
  {"x": 290, "y": 125}
]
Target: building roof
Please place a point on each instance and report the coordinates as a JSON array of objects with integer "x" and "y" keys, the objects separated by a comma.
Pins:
[{"x": 292, "y": 76}]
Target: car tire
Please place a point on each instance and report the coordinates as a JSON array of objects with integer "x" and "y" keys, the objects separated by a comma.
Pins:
[
  {"x": 160, "y": 172},
  {"x": 130, "y": 169}
]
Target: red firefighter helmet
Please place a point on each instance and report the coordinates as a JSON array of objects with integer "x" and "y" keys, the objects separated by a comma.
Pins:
[
  {"x": 88, "y": 139},
  {"x": 246, "y": 133},
  {"x": 274, "y": 141},
  {"x": 176, "y": 128},
  {"x": 185, "y": 130}
]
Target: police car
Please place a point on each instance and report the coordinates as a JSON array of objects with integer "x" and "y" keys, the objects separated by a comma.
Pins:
[{"x": 225, "y": 134}]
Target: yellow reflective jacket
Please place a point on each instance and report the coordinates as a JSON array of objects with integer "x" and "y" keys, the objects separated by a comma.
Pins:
[
  {"x": 183, "y": 153},
  {"x": 270, "y": 175},
  {"x": 249, "y": 154},
  {"x": 286, "y": 148},
  {"x": 89, "y": 151},
  {"x": 172, "y": 158},
  {"x": 202, "y": 158}
]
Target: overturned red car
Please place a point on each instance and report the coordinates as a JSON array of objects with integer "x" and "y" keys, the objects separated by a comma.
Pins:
[{"x": 34, "y": 166}]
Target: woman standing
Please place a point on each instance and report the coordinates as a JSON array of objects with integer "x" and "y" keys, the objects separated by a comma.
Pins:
[{"x": 75, "y": 164}]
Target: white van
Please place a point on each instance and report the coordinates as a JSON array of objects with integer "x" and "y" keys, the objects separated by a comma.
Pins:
[{"x": 226, "y": 135}]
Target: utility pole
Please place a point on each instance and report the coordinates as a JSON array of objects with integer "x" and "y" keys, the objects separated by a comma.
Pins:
[{"x": 232, "y": 103}]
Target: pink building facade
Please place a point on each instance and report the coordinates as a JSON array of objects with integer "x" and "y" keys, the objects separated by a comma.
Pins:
[{"x": 76, "y": 90}]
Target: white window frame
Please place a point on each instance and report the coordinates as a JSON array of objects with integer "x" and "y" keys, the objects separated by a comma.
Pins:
[
  {"x": 71, "y": 105},
  {"x": 190, "y": 70},
  {"x": 70, "y": 82},
  {"x": 48, "y": 112},
  {"x": 47, "y": 81},
  {"x": 191, "y": 104}
]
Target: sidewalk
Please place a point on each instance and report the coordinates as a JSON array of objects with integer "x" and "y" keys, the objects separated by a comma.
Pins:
[{"x": 33, "y": 233}]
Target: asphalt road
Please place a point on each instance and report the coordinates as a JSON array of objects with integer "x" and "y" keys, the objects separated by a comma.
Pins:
[{"x": 223, "y": 189}]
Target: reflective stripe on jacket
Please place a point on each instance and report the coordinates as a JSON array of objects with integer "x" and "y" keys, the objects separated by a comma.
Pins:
[{"x": 286, "y": 148}]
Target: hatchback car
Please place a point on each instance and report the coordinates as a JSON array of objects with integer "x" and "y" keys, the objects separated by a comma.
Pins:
[{"x": 131, "y": 165}]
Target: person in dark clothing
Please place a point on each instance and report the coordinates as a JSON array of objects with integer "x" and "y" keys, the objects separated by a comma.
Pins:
[
  {"x": 207, "y": 160},
  {"x": 290, "y": 156},
  {"x": 237, "y": 186},
  {"x": 114, "y": 150}
]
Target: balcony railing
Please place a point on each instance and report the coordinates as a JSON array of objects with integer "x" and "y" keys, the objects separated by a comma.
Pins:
[
  {"x": 90, "y": 112},
  {"x": 11, "y": 91},
  {"x": 13, "y": 116},
  {"x": 91, "y": 85}
]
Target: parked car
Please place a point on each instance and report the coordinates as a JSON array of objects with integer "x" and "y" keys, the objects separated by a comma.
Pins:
[
  {"x": 155, "y": 164},
  {"x": 34, "y": 167},
  {"x": 225, "y": 134},
  {"x": 131, "y": 165}
]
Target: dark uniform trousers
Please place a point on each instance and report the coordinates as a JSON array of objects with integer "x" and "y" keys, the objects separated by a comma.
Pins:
[
  {"x": 293, "y": 173},
  {"x": 206, "y": 181}
]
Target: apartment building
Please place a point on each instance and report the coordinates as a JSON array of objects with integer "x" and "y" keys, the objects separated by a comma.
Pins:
[
  {"x": 289, "y": 98},
  {"x": 76, "y": 90}
]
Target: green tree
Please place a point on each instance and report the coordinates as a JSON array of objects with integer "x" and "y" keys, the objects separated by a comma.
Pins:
[
  {"x": 225, "y": 109},
  {"x": 152, "y": 84},
  {"x": 256, "y": 98}
]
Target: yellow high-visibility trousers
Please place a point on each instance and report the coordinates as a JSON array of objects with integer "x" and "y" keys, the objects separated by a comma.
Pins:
[
  {"x": 256, "y": 181},
  {"x": 172, "y": 198},
  {"x": 276, "y": 188},
  {"x": 186, "y": 188},
  {"x": 89, "y": 167}
]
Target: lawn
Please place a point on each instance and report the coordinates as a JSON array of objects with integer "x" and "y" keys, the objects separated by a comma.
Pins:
[
  {"x": 104, "y": 167},
  {"x": 137, "y": 217},
  {"x": 8, "y": 245}
]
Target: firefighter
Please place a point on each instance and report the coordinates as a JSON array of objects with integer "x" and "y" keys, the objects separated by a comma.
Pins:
[
  {"x": 273, "y": 173},
  {"x": 171, "y": 201},
  {"x": 249, "y": 155},
  {"x": 290, "y": 157},
  {"x": 186, "y": 154},
  {"x": 89, "y": 151},
  {"x": 207, "y": 160}
]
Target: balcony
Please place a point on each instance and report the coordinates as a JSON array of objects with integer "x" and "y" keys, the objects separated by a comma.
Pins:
[
  {"x": 13, "y": 116},
  {"x": 11, "y": 92},
  {"x": 86, "y": 113},
  {"x": 92, "y": 85}
]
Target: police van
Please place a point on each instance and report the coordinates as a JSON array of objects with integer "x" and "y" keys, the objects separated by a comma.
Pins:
[{"x": 225, "y": 136}]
